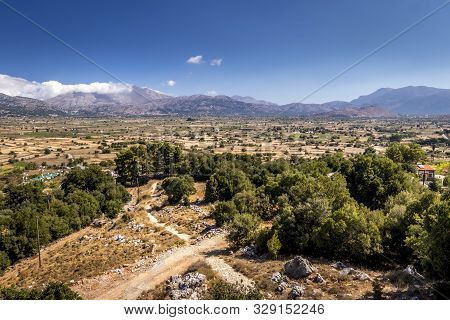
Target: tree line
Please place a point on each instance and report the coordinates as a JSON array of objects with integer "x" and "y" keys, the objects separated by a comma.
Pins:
[
  {"x": 362, "y": 208},
  {"x": 84, "y": 195}
]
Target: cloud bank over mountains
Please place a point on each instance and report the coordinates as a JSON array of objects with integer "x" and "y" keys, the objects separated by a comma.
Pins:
[{"x": 13, "y": 86}]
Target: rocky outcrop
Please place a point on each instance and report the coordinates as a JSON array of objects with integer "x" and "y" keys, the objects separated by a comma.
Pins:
[
  {"x": 298, "y": 267},
  {"x": 189, "y": 286}
]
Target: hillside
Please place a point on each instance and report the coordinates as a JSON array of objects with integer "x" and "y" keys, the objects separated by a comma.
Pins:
[
  {"x": 409, "y": 100},
  {"x": 20, "y": 106}
]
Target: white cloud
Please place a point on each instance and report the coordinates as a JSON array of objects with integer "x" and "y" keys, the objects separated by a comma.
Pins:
[
  {"x": 195, "y": 60},
  {"x": 216, "y": 62},
  {"x": 171, "y": 83},
  {"x": 212, "y": 93},
  {"x": 13, "y": 86}
]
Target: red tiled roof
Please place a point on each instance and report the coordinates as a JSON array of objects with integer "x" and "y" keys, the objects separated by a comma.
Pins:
[{"x": 425, "y": 167}]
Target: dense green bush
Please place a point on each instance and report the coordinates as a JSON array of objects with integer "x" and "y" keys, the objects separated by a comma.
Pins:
[
  {"x": 178, "y": 189},
  {"x": 222, "y": 290},
  {"x": 429, "y": 236},
  {"x": 225, "y": 183},
  {"x": 373, "y": 179},
  {"x": 224, "y": 212},
  {"x": 4, "y": 261},
  {"x": 274, "y": 245},
  {"x": 242, "y": 229},
  {"x": 53, "y": 291}
]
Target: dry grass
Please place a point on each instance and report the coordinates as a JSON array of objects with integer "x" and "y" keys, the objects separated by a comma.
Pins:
[
  {"x": 336, "y": 286},
  {"x": 91, "y": 252}
]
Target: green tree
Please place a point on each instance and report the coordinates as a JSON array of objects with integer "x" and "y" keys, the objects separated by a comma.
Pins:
[
  {"x": 4, "y": 261},
  {"x": 406, "y": 154},
  {"x": 429, "y": 237},
  {"x": 224, "y": 212},
  {"x": 274, "y": 245},
  {"x": 225, "y": 183},
  {"x": 352, "y": 231},
  {"x": 178, "y": 189},
  {"x": 374, "y": 178},
  {"x": 242, "y": 230},
  {"x": 85, "y": 204}
]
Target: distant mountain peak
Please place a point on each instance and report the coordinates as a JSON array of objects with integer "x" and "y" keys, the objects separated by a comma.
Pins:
[
  {"x": 411, "y": 100},
  {"x": 248, "y": 99}
]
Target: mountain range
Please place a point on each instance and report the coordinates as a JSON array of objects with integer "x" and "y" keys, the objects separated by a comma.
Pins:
[{"x": 137, "y": 101}]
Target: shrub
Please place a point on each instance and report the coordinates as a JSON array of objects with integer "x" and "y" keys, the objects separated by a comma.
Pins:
[
  {"x": 222, "y": 290},
  {"x": 261, "y": 238},
  {"x": 429, "y": 238},
  {"x": 435, "y": 185},
  {"x": 242, "y": 230},
  {"x": 225, "y": 183},
  {"x": 377, "y": 290},
  {"x": 224, "y": 212},
  {"x": 53, "y": 291},
  {"x": 4, "y": 261},
  {"x": 274, "y": 245},
  {"x": 58, "y": 291},
  {"x": 179, "y": 188},
  {"x": 352, "y": 231}
]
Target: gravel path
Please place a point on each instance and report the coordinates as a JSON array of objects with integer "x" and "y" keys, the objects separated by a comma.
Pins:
[
  {"x": 227, "y": 273},
  {"x": 169, "y": 263}
]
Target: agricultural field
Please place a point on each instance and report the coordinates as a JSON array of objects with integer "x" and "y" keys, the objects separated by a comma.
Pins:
[
  {"x": 230, "y": 208},
  {"x": 55, "y": 141}
]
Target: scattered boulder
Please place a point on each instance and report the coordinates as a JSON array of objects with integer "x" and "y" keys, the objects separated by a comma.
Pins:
[
  {"x": 411, "y": 271},
  {"x": 407, "y": 276},
  {"x": 249, "y": 251},
  {"x": 297, "y": 291},
  {"x": 276, "y": 277},
  {"x": 118, "y": 271},
  {"x": 357, "y": 274},
  {"x": 282, "y": 286},
  {"x": 318, "y": 278},
  {"x": 298, "y": 267},
  {"x": 188, "y": 286},
  {"x": 339, "y": 265},
  {"x": 119, "y": 238},
  {"x": 137, "y": 227}
]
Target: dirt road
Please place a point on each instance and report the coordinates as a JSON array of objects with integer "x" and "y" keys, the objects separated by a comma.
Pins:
[{"x": 169, "y": 263}]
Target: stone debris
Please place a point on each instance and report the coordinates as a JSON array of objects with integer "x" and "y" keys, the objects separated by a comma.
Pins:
[
  {"x": 189, "y": 286},
  {"x": 137, "y": 227},
  {"x": 282, "y": 286},
  {"x": 276, "y": 277},
  {"x": 297, "y": 291},
  {"x": 357, "y": 274},
  {"x": 119, "y": 238},
  {"x": 298, "y": 267},
  {"x": 281, "y": 280},
  {"x": 318, "y": 278},
  {"x": 412, "y": 272},
  {"x": 209, "y": 234},
  {"x": 198, "y": 210},
  {"x": 339, "y": 265},
  {"x": 249, "y": 251},
  {"x": 98, "y": 223},
  {"x": 118, "y": 271},
  {"x": 87, "y": 237}
]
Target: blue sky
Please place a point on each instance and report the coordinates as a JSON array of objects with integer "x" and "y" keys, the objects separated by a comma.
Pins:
[{"x": 274, "y": 50}]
